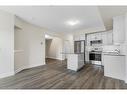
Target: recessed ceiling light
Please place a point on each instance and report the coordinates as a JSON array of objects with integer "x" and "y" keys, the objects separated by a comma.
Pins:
[{"x": 72, "y": 22}]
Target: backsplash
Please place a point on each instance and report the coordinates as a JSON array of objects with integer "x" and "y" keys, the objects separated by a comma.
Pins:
[
  {"x": 113, "y": 48},
  {"x": 110, "y": 48}
]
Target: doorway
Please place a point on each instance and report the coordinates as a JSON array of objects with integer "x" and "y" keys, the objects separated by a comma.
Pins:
[
  {"x": 53, "y": 49},
  {"x": 19, "y": 56}
]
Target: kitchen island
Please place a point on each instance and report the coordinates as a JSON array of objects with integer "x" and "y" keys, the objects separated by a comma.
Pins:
[{"x": 75, "y": 61}]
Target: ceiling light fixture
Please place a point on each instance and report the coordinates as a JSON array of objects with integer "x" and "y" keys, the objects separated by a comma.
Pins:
[{"x": 72, "y": 22}]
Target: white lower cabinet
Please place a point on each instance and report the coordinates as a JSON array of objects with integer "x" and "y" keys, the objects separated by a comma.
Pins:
[
  {"x": 75, "y": 61},
  {"x": 114, "y": 66}
]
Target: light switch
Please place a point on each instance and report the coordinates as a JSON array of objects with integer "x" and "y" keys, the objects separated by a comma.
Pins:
[{"x": 41, "y": 43}]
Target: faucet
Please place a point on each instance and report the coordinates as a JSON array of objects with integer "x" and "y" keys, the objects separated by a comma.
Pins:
[{"x": 117, "y": 50}]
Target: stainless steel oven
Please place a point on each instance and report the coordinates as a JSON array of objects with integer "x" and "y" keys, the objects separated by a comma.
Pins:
[{"x": 95, "y": 57}]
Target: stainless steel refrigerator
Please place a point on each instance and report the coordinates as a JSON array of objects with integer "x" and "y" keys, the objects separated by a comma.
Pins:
[{"x": 79, "y": 47}]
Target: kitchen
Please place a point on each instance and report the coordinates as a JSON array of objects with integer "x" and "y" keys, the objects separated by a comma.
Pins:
[
  {"x": 96, "y": 55},
  {"x": 105, "y": 48}
]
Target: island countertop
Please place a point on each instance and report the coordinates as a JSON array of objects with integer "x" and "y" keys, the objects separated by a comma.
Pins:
[{"x": 71, "y": 53}]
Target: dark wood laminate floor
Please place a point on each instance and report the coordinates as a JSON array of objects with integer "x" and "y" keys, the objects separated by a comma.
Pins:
[{"x": 54, "y": 75}]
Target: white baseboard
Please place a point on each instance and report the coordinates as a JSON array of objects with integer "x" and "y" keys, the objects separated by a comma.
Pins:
[
  {"x": 35, "y": 66},
  {"x": 3, "y": 75},
  {"x": 55, "y": 58},
  {"x": 20, "y": 69},
  {"x": 27, "y": 67}
]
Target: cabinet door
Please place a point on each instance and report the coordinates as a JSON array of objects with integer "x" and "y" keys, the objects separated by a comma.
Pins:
[
  {"x": 95, "y": 36},
  {"x": 98, "y": 36},
  {"x": 119, "y": 29},
  {"x": 88, "y": 40},
  {"x": 92, "y": 37},
  {"x": 107, "y": 38}
]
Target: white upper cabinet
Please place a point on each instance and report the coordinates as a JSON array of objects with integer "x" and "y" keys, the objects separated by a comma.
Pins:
[
  {"x": 92, "y": 37},
  {"x": 98, "y": 36},
  {"x": 88, "y": 39},
  {"x": 119, "y": 29},
  {"x": 107, "y": 37},
  {"x": 95, "y": 36}
]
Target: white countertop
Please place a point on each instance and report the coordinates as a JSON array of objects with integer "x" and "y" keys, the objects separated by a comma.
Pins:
[{"x": 112, "y": 54}]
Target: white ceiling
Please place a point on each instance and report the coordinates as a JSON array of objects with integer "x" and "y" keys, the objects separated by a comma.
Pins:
[
  {"x": 55, "y": 17},
  {"x": 108, "y": 12}
]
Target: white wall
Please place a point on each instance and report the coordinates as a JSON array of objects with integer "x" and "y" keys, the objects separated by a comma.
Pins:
[
  {"x": 30, "y": 41},
  {"x": 6, "y": 44},
  {"x": 125, "y": 46},
  {"x": 54, "y": 48},
  {"x": 70, "y": 43}
]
